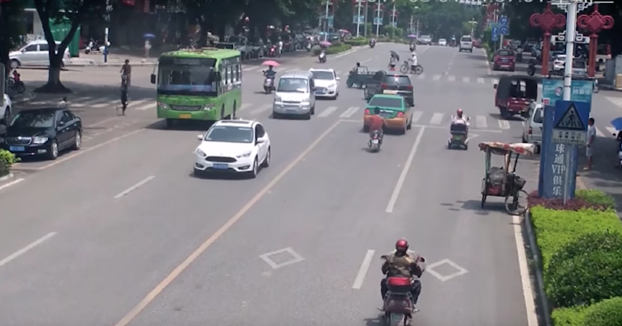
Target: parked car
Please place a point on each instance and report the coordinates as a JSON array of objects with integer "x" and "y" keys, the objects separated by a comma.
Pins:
[
  {"x": 43, "y": 132},
  {"x": 477, "y": 43},
  {"x": 34, "y": 53},
  {"x": 5, "y": 110},
  {"x": 504, "y": 59},
  {"x": 532, "y": 132}
]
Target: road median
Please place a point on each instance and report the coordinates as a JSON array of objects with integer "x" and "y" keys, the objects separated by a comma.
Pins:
[{"x": 577, "y": 253}]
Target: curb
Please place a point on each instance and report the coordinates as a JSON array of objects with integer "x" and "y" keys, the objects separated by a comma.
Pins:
[
  {"x": 536, "y": 268},
  {"x": 7, "y": 177},
  {"x": 107, "y": 64},
  {"x": 610, "y": 87}
]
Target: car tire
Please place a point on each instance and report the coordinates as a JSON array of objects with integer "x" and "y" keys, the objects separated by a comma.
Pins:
[
  {"x": 275, "y": 115},
  {"x": 77, "y": 142},
  {"x": 197, "y": 173},
  {"x": 253, "y": 173},
  {"x": 307, "y": 116},
  {"x": 524, "y": 140},
  {"x": 313, "y": 110},
  {"x": 169, "y": 123},
  {"x": 365, "y": 128},
  {"x": 7, "y": 116},
  {"x": 53, "y": 150},
  {"x": 266, "y": 161}
]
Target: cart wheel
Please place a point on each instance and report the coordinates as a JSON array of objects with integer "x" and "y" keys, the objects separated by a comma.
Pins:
[
  {"x": 349, "y": 83},
  {"x": 517, "y": 204},
  {"x": 483, "y": 201}
]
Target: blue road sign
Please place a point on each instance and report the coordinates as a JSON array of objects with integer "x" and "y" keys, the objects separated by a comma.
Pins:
[
  {"x": 564, "y": 127},
  {"x": 495, "y": 38},
  {"x": 503, "y": 21},
  {"x": 504, "y": 30},
  {"x": 494, "y": 33}
]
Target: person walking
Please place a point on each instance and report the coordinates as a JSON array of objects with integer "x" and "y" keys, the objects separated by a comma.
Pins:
[{"x": 589, "y": 146}]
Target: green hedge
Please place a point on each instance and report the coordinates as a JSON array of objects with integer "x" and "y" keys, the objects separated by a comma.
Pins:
[
  {"x": 7, "y": 159},
  {"x": 357, "y": 41},
  {"x": 336, "y": 47},
  {"x": 581, "y": 252}
]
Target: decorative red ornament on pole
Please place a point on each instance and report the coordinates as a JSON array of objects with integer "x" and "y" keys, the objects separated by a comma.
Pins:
[
  {"x": 594, "y": 23},
  {"x": 547, "y": 21}
]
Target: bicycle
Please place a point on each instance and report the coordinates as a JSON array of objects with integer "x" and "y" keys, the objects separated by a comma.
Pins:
[{"x": 124, "y": 99}]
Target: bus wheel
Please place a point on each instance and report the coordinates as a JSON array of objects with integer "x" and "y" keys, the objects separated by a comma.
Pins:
[
  {"x": 222, "y": 112},
  {"x": 234, "y": 109},
  {"x": 169, "y": 123}
]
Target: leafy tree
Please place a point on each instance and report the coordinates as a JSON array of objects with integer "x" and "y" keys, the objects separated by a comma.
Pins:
[
  {"x": 10, "y": 28},
  {"x": 62, "y": 11}
]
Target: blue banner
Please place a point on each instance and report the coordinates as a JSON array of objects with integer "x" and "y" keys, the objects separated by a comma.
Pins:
[
  {"x": 377, "y": 21},
  {"x": 558, "y": 162},
  {"x": 361, "y": 19}
]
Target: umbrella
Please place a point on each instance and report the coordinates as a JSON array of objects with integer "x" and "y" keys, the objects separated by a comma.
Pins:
[
  {"x": 395, "y": 55},
  {"x": 617, "y": 123},
  {"x": 325, "y": 43},
  {"x": 270, "y": 63},
  {"x": 149, "y": 35},
  {"x": 412, "y": 36}
]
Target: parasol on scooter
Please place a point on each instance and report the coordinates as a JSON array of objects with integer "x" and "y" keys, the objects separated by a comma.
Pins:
[
  {"x": 395, "y": 56},
  {"x": 268, "y": 84}
]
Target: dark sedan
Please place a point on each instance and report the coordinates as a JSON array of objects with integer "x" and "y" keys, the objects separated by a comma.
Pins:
[{"x": 43, "y": 132}]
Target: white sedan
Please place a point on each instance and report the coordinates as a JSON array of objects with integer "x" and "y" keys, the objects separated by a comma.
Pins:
[
  {"x": 234, "y": 146},
  {"x": 326, "y": 83},
  {"x": 442, "y": 42}
]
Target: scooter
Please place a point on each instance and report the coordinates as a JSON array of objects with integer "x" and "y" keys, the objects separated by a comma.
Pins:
[
  {"x": 268, "y": 83},
  {"x": 308, "y": 47},
  {"x": 372, "y": 43},
  {"x": 322, "y": 57},
  {"x": 272, "y": 51},
  {"x": 596, "y": 88},
  {"x": 374, "y": 142},
  {"x": 531, "y": 69},
  {"x": 14, "y": 83}
]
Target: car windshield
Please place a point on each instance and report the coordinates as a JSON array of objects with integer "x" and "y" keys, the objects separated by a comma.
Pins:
[
  {"x": 398, "y": 80},
  {"x": 442, "y": 40},
  {"x": 466, "y": 39},
  {"x": 229, "y": 134},
  {"x": 323, "y": 75},
  {"x": 579, "y": 64},
  {"x": 504, "y": 53},
  {"x": 537, "y": 115},
  {"x": 34, "y": 119},
  {"x": 385, "y": 102},
  {"x": 293, "y": 85}
]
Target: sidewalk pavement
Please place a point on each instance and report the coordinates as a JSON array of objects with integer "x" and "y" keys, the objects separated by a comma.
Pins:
[{"x": 26, "y": 96}]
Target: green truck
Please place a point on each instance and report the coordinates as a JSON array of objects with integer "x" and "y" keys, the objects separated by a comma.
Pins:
[{"x": 198, "y": 84}]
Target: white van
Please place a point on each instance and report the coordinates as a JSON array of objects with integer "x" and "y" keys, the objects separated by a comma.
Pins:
[
  {"x": 294, "y": 95},
  {"x": 532, "y": 133},
  {"x": 466, "y": 43}
]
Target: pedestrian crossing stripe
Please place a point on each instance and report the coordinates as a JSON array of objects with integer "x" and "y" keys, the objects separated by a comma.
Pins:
[{"x": 570, "y": 120}]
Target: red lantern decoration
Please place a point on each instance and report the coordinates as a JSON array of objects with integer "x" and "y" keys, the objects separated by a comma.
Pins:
[
  {"x": 547, "y": 21},
  {"x": 594, "y": 23}
]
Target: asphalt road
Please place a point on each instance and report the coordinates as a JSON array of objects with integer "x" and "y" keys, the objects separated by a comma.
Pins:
[{"x": 120, "y": 233}]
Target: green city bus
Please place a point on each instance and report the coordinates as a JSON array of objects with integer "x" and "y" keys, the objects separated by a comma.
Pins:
[{"x": 198, "y": 84}]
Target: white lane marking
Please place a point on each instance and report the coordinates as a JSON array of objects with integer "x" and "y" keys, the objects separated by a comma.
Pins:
[
  {"x": 416, "y": 116},
  {"x": 599, "y": 133},
  {"x": 465, "y": 79},
  {"x": 402, "y": 178},
  {"x": 422, "y": 76},
  {"x": 611, "y": 130},
  {"x": 530, "y": 306},
  {"x": 101, "y": 105},
  {"x": 100, "y": 122},
  {"x": 327, "y": 112},
  {"x": 504, "y": 124},
  {"x": 261, "y": 109},
  {"x": 349, "y": 112},
  {"x": 12, "y": 183},
  {"x": 295, "y": 258},
  {"x": 480, "y": 121},
  {"x": 494, "y": 81},
  {"x": 437, "y": 118},
  {"x": 436, "y": 77},
  {"x": 480, "y": 80},
  {"x": 451, "y": 78},
  {"x": 471, "y": 137},
  {"x": 444, "y": 278},
  {"x": 360, "y": 277},
  {"x": 26, "y": 249},
  {"x": 617, "y": 101},
  {"x": 134, "y": 187},
  {"x": 144, "y": 105}
]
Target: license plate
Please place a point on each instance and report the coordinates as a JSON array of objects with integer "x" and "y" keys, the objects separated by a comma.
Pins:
[
  {"x": 17, "y": 148},
  {"x": 504, "y": 60},
  {"x": 396, "y": 317},
  {"x": 457, "y": 137},
  {"x": 291, "y": 108},
  {"x": 375, "y": 141},
  {"x": 185, "y": 116},
  {"x": 389, "y": 92},
  {"x": 221, "y": 166}
]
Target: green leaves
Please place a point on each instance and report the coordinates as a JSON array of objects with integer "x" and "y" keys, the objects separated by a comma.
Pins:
[{"x": 11, "y": 28}]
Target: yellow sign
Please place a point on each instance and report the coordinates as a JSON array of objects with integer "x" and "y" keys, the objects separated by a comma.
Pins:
[
  {"x": 389, "y": 92},
  {"x": 185, "y": 116}
]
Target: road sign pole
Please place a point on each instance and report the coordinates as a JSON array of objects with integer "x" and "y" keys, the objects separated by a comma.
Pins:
[{"x": 571, "y": 29}]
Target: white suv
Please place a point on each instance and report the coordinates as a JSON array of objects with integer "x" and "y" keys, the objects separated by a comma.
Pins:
[
  {"x": 466, "y": 44},
  {"x": 532, "y": 133},
  {"x": 34, "y": 53},
  {"x": 5, "y": 110}
]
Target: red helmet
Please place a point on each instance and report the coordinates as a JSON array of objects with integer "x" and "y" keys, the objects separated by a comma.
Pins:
[
  {"x": 459, "y": 113},
  {"x": 401, "y": 245}
]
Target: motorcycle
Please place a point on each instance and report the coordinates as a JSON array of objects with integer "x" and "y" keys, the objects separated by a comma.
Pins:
[
  {"x": 596, "y": 88},
  {"x": 519, "y": 55},
  {"x": 308, "y": 47},
  {"x": 94, "y": 46},
  {"x": 268, "y": 83},
  {"x": 531, "y": 69},
  {"x": 374, "y": 141},
  {"x": 407, "y": 68},
  {"x": 15, "y": 84},
  {"x": 372, "y": 44},
  {"x": 322, "y": 57},
  {"x": 272, "y": 51}
]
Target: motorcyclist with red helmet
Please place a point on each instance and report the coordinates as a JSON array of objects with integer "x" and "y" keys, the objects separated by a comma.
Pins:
[{"x": 403, "y": 263}]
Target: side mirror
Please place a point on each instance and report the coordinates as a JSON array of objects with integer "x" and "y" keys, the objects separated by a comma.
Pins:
[
  {"x": 260, "y": 141},
  {"x": 494, "y": 86},
  {"x": 153, "y": 78},
  {"x": 468, "y": 118},
  {"x": 200, "y": 137},
  {"x": 338, "y": 78}
]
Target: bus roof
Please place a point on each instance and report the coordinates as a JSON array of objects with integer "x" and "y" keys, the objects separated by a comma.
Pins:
[{"x": 213, "y": 53}]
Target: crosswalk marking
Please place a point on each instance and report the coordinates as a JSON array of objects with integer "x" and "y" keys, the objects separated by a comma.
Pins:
[
  {"x": 416, "y": 116},
  {"x": 465, "y": 79},
  {"x": 617, "y": 101},
  {"x": 144, "y": 105},
  {"x": 599, "y": 133},
  {"x": 480, "y": 80},
  {"x": 261, "y": 109},
  {"x": 437, "y": 118},
  {"x": 480, "y": 121},
  {"x": 611, "y": 131},
  {"x": 422, "y": 76},
  {"x": 349, "y": 112},
  {"x": 494, "y": 81},
  {"x": 328, "y": 111},
  {"x": 503, "y": 124},
  {"x": 436, "y": 77},
  {"x": 451, "y": 78},
  {"x": 100, "y": 105}
]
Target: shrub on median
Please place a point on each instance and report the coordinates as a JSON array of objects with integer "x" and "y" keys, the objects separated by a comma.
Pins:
[
  {"x": 357, "y": 41},
  {"x": 593, "y": 199},
  {"x": 606, "y": 313},
  {"x": 7, "y": 159},
  {"x": 336, "y": 47}
]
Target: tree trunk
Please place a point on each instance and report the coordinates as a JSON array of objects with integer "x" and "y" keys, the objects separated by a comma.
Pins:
[{"x": 54, "y": 85}]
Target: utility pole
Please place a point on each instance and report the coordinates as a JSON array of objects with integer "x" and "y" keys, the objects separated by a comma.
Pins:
[
  {"x": 358, "y": 18},
  {"x": 571, "y": 30},
  {"x": 378, "y": 6},
  {"x": 410, "y": 25},
  {"x": 326, "y": 23},
  {"x": 106, "y": 31},
  {"x": 501, "y": 36},
  {"x": 366, "y": 8}
]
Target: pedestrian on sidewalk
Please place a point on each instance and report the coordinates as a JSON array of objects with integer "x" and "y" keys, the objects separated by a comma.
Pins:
[
  {"x": 147, "y": 48},
  {"x": 126, "y": 73},
  {"x": 589, "y": 146}
]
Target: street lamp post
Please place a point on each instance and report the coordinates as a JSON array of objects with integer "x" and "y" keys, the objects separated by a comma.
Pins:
[
  {"x": 106, "y": 31},
  {"x": 547, "y": 21},
  {"x": 594, "y": 23},
  {"x": 326, "y": 24},
  {"x": 378, "y": 10}
]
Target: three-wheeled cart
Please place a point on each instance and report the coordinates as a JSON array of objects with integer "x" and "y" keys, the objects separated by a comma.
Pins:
[{"x": 500, "y": 181}]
